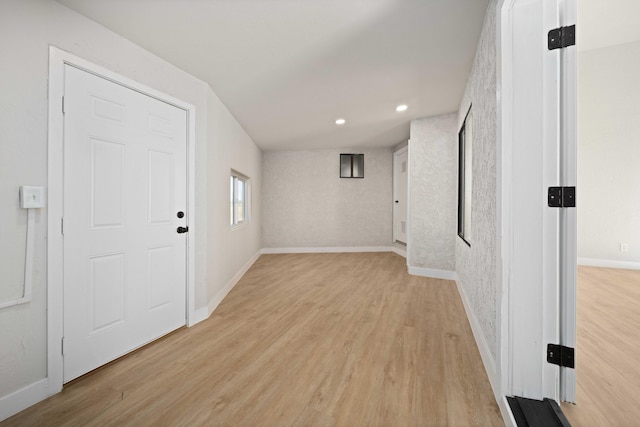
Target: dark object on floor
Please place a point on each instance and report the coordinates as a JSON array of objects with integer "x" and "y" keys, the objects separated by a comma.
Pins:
[{"x": 537, "y": 413}]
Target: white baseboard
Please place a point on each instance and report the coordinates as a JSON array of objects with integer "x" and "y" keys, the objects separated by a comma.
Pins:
[
  {"x": 609, "y": 263},
  {"x": 402, "y": 253},
  {"x": 505, "y": 410},
  {"x": 321, "y": 250},
  {"x": 201, "y": 314},
  {"x": 217, "y": 299},
  {"x": 433, "y": 273},
  {"x": 487, "y": 358},
  {"x": 21, "y": 399}
]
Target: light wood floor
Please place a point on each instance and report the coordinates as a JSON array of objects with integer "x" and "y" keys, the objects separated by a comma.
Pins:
[
  {"x": 607, "y": 349},
  {"x": 306, "y": 339}
]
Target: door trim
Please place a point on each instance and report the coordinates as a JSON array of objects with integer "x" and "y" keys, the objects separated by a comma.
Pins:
[
  {"x": 568, "y": 218},
  {"x": 55, "y": 249},
  {"x": 529, "y": 263},
  {"x": 525, "y": 319},
  {"x": 399, "y": 151}
]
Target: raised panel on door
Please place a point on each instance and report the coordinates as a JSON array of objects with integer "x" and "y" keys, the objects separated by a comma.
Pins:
[
  {"x": 106, "y": 296},
  {"x": 124, "y": 182},
  {"x": 107, "y": 180}
]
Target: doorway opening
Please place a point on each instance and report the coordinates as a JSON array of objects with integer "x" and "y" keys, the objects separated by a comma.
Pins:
[{"x": 400, "y": 197}]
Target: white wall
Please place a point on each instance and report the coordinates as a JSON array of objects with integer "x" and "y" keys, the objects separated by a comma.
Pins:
[
  {"x": 229, "y": 249},
  {"x": 476, "y": 264},
  {"x": 608, "y": 197},
  {"x": 27, "y": 28},
  {"x": 432, "y": 192},
  {"x": 307, "y": 204}
]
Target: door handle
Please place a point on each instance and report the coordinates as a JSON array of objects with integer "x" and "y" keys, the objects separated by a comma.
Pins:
[
  {"x": 397, "y": 201},
  {"x": 182, "y": 230}
]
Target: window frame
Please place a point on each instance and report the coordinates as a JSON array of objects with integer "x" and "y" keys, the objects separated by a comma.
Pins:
[
  {"x": 354, "y": 163},
  {"x": 236, "y": 177},
  {"x": 465, "y": 178}
]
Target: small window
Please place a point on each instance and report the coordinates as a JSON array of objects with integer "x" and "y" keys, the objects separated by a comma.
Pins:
[
  {"x": 351, "y": 165},
  {"x": 239, "y": 190},
  {"x": 465, "y": 175}
]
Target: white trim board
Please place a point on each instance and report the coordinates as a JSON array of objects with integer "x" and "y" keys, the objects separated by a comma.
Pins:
[
  {"x": 57, "y": 61},
  {"x": 322, "y": 250},
  {"x": 203, "y": 313},
  {"x": 401, "y": 252},
  {"x": 217, "y": 299},
  {"x": 487, "y": 358},
  {"x": 433, "y": 273},
  {"x": 21, "y": 399},
  {"x": 609, "y": 263}
]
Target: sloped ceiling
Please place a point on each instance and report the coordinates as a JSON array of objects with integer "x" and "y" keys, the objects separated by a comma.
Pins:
[{"x": 287, "y": 69}]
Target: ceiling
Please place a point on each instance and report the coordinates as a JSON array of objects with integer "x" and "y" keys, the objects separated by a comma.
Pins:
[{"x": 287, "y": 69}]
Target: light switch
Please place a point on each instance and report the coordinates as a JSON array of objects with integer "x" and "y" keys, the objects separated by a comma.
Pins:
[{"x": 31, "y": 197}]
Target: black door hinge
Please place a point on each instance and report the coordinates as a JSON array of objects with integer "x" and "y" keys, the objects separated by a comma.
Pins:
[
  {"x": 562, "y": 197},
  {"x": 562, "y": 37},
  {"x": 560, "y": 355}
]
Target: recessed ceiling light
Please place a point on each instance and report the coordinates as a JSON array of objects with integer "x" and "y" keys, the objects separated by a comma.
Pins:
[
  {"x": 340, "y": 122},
  {"x": 401, "y": 108}
]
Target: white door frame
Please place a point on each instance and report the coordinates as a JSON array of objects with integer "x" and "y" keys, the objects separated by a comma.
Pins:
[
  {"x": 568, "y": 217},
  {"x": 529, "y": 299},
  {"x": 55, "y": 249},
  {"x": 404, "y": 149}
]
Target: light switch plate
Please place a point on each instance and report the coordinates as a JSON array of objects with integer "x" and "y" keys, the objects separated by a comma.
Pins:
[{"x": 31, "y": 197}]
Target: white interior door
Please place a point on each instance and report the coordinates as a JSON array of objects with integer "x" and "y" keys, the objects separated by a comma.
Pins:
[
  {"x": 400, "y": 180},
  {"x": 124, "y": 184}
]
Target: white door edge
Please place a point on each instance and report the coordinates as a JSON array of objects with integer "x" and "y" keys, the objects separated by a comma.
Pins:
[
  {"x": 569, "y": 231},
  {"x": 55, "y": 249},
  {"x": 504, "y": 49},
  {"x": 515, "y": 377}
]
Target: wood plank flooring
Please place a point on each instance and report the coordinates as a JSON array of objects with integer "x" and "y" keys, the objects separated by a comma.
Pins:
[
  {"x": 607, "y": 349},
  {"x": 303, "y": 339}
]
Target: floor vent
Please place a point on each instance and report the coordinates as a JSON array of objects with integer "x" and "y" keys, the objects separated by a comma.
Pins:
[{"x": 537, "y": 413}]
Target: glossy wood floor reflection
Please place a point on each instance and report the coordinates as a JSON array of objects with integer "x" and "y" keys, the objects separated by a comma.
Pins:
[
  {"x": 607, "y": 349},
  {"x": 305, "y": 339}
]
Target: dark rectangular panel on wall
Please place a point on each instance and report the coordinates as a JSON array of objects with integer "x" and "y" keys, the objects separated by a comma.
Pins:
[{"x": 351, "y": 165}]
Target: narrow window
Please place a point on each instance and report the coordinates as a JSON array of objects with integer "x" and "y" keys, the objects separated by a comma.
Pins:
[
  {"x": 239, "y": 190},
  {"x": 465, "y": 175}
]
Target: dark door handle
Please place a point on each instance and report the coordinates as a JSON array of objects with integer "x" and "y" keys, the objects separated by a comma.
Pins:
[
  {"x": 397, "y": 201},
  {"x": 182, "y": 230}
]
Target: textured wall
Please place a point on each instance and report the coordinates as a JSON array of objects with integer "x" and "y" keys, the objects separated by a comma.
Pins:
[
  {"x": 476, "y": 265},
  {"x": 432, "y": 192},
  {"x": 609, "y": 153},
  {"x": 307, "y": 204}
]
